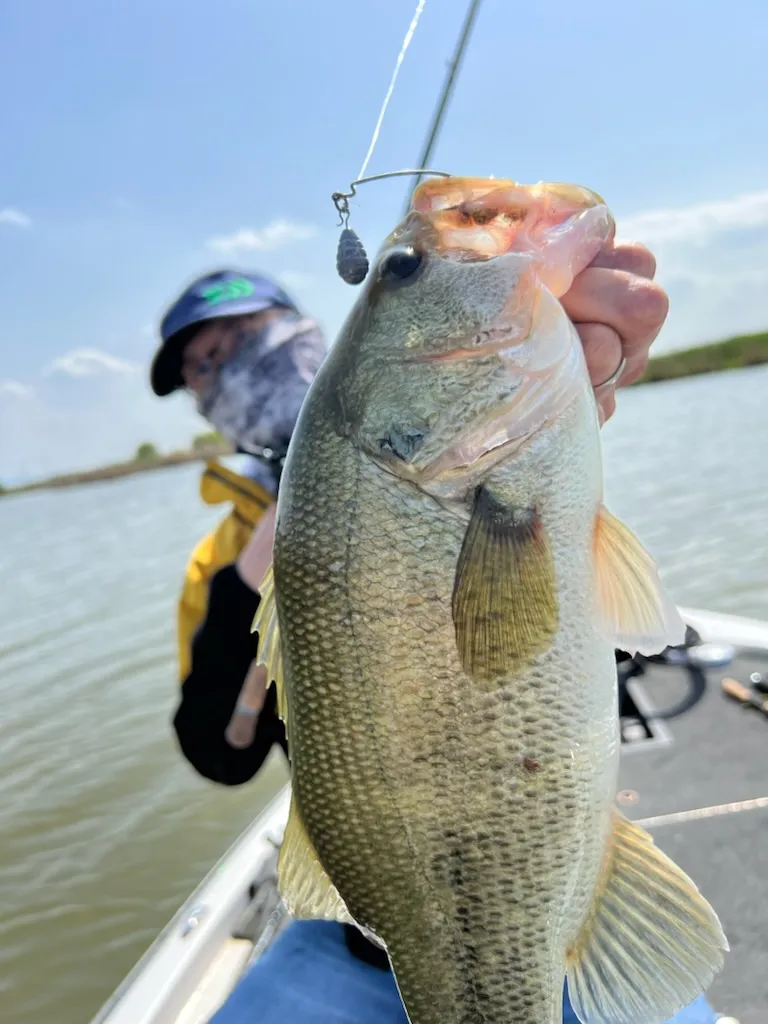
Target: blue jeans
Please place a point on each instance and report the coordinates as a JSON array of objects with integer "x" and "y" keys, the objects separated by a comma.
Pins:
[{"x": 308, "y": 976}]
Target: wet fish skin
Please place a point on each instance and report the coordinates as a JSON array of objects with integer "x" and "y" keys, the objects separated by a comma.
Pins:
[{"x": 447, "y": 595}]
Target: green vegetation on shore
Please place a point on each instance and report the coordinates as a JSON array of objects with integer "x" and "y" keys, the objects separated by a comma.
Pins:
[
  {"x": 204, "y": 446},
  {"x": 731, "y": 354},
  {"x": 146, "y": 452}
]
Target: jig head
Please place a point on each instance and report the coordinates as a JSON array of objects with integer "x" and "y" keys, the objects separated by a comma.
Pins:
[{"x": 351, "y": 258}]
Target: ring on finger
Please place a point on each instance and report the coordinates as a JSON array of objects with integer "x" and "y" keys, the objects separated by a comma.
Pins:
[{"x": 614, "y": 376}]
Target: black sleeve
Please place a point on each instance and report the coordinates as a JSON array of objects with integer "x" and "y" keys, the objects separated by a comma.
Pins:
[{"x": 222, "y": 652}]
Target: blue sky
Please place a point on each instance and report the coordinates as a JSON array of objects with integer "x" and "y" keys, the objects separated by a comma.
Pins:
[{"x": 144, "y": 142}]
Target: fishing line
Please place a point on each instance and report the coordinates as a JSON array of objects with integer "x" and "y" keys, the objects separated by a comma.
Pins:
[
  {"x": 406, "y": 43},
  {"x": 351, "y": 257}
]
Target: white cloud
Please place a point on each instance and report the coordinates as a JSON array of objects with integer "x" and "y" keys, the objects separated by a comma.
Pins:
[
  {"x": 14, "y": 218},
  {"x": 14, "y": 389},
  {"x": 712, "y": 259},
  {"x": 89, "y": 362},
  {"x": 69, "y": 424},
  {"x": 697, "y": 223},
  {"x": 274, "y": 235},
  {"x": 295, "y": 279}
]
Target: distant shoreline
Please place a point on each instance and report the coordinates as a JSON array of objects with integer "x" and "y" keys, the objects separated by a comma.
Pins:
[
  {"x": 731, "y": 354},
  {"x": 117, "y": 470}
]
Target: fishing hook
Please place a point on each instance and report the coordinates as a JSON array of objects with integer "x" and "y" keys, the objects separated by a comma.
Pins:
[
  {"x": 341, "y": 199},
  {"x": 351, "y": 257}
]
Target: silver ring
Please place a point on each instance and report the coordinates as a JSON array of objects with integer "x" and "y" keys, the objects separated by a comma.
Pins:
[{"x": 614, "y": 376}]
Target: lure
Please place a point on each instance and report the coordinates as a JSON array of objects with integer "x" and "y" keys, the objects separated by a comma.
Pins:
[{"x": 351, "y": 258}]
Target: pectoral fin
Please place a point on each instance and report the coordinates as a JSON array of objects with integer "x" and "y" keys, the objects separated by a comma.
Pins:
[
  {"x": 651, "y": 943},
  {"x": 633, "y": 608},
  {"x": 270, "y": 652},
  {"x": 304, "y": 886},
  {"x": 504, "y": 597}
]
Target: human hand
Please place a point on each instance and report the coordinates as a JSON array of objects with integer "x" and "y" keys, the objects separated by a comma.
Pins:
[
  {"x": 242, "y": 724},
  {"x": 255, "y": 557},
  {"x": 618, "y": 311}
]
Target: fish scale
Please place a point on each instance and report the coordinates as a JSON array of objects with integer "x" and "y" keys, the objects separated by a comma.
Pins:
[
  {"x": 449, "y": 589},
  {"x": 483, "y": 876}
]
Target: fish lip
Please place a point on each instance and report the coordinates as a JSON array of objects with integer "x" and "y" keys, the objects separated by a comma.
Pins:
[
  {"x": 556, "y": 228},
  {"x": 497, "y": 340},
  {"x": 476, "y": 219},
  {"x": 507, "y": 328}
]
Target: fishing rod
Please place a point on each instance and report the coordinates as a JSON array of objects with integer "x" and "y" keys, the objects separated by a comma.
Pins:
[{"x": 445, "y": 96}]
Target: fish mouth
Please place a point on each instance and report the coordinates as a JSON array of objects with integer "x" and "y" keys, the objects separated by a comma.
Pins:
[{"x": 559, "y": 228}]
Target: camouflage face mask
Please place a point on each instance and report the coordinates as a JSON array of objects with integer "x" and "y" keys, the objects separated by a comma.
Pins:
[{"x": 255, "y": 397}]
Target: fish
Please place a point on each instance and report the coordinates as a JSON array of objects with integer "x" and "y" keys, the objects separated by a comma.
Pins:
[{"x": 440, "y": 619}]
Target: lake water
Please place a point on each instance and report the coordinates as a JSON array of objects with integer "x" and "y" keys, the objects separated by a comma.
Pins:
[{"x": 104, "y": 829}]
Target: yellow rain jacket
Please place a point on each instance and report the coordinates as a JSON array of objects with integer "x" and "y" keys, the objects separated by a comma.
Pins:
[{"x": 218, "y": 548}]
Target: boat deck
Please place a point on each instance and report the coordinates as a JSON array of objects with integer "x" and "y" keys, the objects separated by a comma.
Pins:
[{"x": 713, "y": 760}]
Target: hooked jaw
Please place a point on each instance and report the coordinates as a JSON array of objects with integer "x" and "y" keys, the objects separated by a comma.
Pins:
[{"x": 561, "y": 227}]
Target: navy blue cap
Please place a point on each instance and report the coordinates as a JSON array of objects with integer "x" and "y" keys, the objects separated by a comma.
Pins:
[{"x": 222, "y": 293}]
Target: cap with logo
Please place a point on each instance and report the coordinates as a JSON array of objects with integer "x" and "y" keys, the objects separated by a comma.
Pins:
[{"x": 223, "y": 293}]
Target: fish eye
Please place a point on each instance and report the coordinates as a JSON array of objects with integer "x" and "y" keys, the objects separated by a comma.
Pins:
[{"x": 401, "y": 264}]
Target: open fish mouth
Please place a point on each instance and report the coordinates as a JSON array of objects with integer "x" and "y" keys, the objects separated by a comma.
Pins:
[
  {"x": 479, "y": 219},
  {"x": 557, "y": 228}
]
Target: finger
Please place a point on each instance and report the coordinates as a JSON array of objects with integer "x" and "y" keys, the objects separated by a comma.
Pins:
[
  {"x": 606, "y": 407},
  {"x": 631, "y": 257},
  {"x": 602, "y": 351},
  {"x": 241, "y": 730},
  {"x": 632, "y": 306}
]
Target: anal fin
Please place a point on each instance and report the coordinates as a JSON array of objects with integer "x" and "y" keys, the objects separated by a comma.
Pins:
[
  {"x": 504, "y": 598},
  {"x": 270, "y": 652},
  {"x": 633, "y": 608},
  {"x": 305, "y": 887},
  {"x": 651, "y": 943}
]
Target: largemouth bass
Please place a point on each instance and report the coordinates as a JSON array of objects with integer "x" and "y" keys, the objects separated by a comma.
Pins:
[{"x": 440, "y": 619}]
